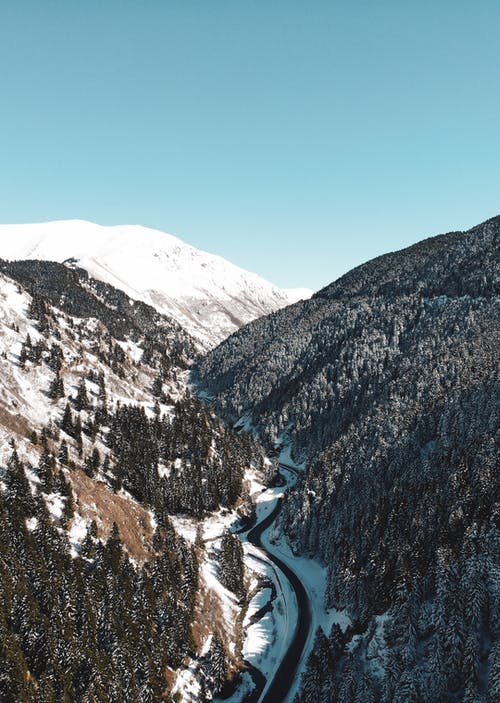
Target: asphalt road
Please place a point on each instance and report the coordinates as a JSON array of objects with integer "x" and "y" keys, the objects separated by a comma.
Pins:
[{"x": 279, "y": 688}]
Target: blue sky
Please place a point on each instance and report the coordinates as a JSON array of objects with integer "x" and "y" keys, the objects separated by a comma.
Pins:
[{"x": 298, "y": 139}]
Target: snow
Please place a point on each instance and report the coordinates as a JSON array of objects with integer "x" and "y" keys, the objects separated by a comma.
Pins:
[
  {"x": 267, "y": 640},
  {"x": 312, "y": 574},
  {"x": 187, "y": 682},
  {"x": 132, "y": 349},
  {"x": 163, "y": 471},
  {"x": 228, "y": 600},
  {"x": 186, "y": 685},
  {"x": 261, "y": 598},
  {"x": 253, "y": 483},
  {"x": 214, "y": 526},
  {"x": 244, "y": 689},
  {"x": 32, "y": 478},
  {"x": 152, "y": 520},
  {"x": 24, "y": 397},
  {"x": 185, "y": 527},
  {"x": 77, "y": 533},
  {"x": 244, "y": 423},
  {"x": 24, "y": 405},
  {"x": 32, "y": 524},
  {"x": 207, "y": 295},
  {"x": 14, "y": 300},
  {"x": 285, "y": 458},
  {"x": 296, "y": 294},
  {"x": 55, "y": 504},
  {"x": 24, "y": 389}
]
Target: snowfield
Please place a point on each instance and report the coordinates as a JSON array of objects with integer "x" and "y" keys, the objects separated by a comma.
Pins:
[{"x": 207, "y": 295}]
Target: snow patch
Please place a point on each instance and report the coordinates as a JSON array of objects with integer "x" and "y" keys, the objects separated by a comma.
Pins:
[
  {"x": 77, "y": 533},
  {"x": 55, "y": 504},
  {"x": 31, "y": 524}
]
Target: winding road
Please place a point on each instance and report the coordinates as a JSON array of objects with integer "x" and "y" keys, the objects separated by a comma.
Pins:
[{"x": 278, "y": 688}]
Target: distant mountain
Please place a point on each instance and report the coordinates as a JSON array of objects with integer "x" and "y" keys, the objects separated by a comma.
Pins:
[
  {"x": 207, "y": 295},
  {"x": 387, "y": 383}
]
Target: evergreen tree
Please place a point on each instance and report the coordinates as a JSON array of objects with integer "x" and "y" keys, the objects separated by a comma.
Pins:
[
  {"x": 218, "y": 664},
  {"x": 81, "y": 400},
  {"x": 56, "y": 388},
  {"x": 231, "y": 564},
  {"x": 63, "y": 455}
]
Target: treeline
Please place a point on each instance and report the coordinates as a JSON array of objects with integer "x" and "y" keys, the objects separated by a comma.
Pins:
[
  {"x": 76, "y": 294},
  {"x": 409, "y": 531}
]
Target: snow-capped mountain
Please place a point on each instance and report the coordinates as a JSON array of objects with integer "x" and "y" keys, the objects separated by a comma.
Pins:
[{"x": 207, "y": 295}]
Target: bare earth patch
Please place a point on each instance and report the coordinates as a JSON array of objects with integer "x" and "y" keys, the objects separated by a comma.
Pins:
[{"x": 96, "y": 501}]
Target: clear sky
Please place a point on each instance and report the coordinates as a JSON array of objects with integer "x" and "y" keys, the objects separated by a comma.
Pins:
[{"x": 295, "y": 138}]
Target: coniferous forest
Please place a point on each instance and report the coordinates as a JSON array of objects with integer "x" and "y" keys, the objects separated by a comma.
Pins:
[
  {"x": 249, "y": 402},
  {"x": 92, "y": 610},
  {"x": 385, "y": 385},
  {"x": 387, "y": 382}
]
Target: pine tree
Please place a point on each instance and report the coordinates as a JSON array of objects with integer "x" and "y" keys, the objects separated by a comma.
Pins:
[
  {"x": 231, "y": 564},
  {"x": 56, "y": 389},
  {"x": 45, "y": 469},
  {"x": 106, "y": 465},
  {"x": 81, "y": 400},
  {"x": 77, "y": 434},
  {"x": 494, "y": 673},
  {"x": 63, "y": 455},
  {"x": 218, "y": 664},
  {"x": 67, "y": 421},
  {"x": 405, "y": 690},
  {"x": 23, "y": 355},
  {"x": 114, "y": 548},
  {"x": 102, "y": 389},
  {"x": 471, "y": 694},
  {"x": 56, "y": 358},
  {"x": 157, "y": 387}
]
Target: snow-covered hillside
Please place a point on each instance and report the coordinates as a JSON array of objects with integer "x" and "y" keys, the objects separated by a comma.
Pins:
[
  {"x": 207, "y": 295},
  {"x": 78, "y": 392}
]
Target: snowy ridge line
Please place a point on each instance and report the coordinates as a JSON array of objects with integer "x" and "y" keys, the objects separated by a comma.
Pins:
[{"x": 209, "y": 296}]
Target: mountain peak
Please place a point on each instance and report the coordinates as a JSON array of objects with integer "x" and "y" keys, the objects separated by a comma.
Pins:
[{"x": 207, "y": 295}]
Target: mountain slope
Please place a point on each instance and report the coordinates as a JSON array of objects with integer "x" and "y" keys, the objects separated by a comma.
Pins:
[
  {"x": 289, "y": 371},
  {"x": 103, "y": 596},
  {"x": 206, "y": 294},
  {"x": 387, "y": 381}
]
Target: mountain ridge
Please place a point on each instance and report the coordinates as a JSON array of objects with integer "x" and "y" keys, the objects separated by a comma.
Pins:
[
  {"x": 387, "y": 382},
  {"x": 208, "y": 295},
  {"x": 428, "y": 250}
]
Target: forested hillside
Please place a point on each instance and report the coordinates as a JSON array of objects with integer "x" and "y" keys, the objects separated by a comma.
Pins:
[
  {"x": 387, "y": 381},
  {"x": 101, "y": 598}
]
